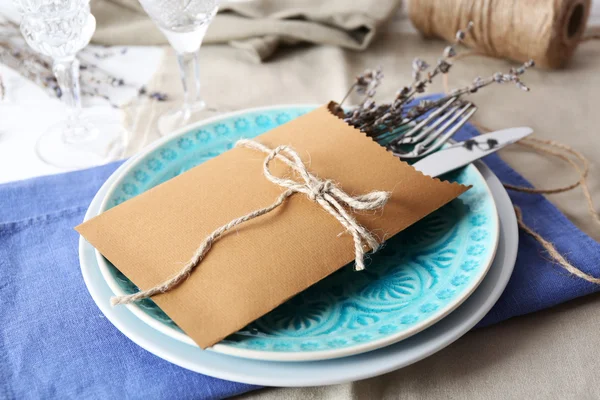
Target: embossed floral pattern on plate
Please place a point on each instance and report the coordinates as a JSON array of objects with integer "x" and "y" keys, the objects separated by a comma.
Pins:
[{"x": 418, "y": 277}]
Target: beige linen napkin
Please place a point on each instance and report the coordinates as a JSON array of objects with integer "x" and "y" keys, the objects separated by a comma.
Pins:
[{"x": 258, "y": 27}]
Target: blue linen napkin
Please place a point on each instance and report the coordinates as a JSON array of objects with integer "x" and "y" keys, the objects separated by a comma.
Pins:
[
  {"x": 537, "y": 282},
  {"x": 55, "y": 343}
]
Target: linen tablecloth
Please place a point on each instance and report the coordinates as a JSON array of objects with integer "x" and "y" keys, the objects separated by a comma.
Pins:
[
  {"x": 545, "y": 354},
  {"x": 56, "y": 343},
  {"x": 256, "y": 28}
]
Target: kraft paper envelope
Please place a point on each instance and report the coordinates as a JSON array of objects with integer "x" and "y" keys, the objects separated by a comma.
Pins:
[{"x": 266, "y": 261}]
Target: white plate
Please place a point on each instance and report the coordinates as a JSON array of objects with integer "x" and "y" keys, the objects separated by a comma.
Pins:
[
  {"x": 420, "y": 277},
  {"x": 315, "y": 373}
]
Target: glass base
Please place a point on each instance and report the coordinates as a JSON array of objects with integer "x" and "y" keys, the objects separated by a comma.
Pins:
[
  {"x": 82, "y": 144},
  {"x": 174, "y": 119}
]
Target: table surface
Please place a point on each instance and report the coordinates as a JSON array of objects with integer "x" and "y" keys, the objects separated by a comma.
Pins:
[{"x": 544, "y": 355}]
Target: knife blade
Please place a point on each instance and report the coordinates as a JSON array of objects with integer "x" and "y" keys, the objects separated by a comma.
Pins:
[{"x": 463, "y": 153}]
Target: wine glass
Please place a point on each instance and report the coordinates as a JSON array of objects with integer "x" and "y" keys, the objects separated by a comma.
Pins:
[
  {"x": 184, "y": 23},
  {"x": 59, "y": 29}
]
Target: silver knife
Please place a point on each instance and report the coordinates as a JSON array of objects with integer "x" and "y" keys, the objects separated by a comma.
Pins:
[{"x": 463, "y": 153}]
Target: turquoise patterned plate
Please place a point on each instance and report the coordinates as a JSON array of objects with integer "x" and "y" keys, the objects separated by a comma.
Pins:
[{"x": 419, "y": 276}]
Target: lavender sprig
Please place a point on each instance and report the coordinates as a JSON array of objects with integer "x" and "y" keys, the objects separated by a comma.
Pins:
[
  {"x": 365, "y": 84},
  {"x": 380, "y": 121},
  {"x": 442, "y": 66},
  {"x": 511, "y": 77},
  {"x": 15, "y": 53},
  {"x": 368, "y": 115}
]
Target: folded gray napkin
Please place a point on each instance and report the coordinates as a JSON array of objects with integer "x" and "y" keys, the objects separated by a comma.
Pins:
[{"x": 259, "y": 27}]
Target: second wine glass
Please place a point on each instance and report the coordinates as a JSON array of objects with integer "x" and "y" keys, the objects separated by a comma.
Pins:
[{"x": 184, "y": 23}]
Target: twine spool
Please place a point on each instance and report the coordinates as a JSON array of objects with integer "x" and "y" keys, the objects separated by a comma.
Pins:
[{"x": 547, "y": 31}]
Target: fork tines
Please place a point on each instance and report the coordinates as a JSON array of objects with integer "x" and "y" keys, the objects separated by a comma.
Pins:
[{"x": 432, "y": 132}]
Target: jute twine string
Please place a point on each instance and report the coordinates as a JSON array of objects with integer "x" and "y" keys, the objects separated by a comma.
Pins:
[
  {"x": 547, "y": 31},
  {"x": 549, "y": 147},
  {"x": 556, "y": 256},
  {"x": 323, "y": 192}
]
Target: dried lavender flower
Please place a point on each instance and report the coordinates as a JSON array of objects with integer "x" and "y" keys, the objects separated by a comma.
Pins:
[
  {"x": 462, "y": 34},
  {"x": 511, "y": 77},
  {"x": 15, "y": 53},
  {"x": 443, "y": 66},
  {"x": 402, "y": 93},
  {"x": 381, "y": 121},
  {"x": 449, "y": 52},
  {"x": 368, "y": 79},
  {"x": 419, "y": 65},
  {"x": 159, "y": 96},
  {"x": 365, "y": 84},
  {"x": 420, "y": 87},
  {"x": 522, "y": 86}
]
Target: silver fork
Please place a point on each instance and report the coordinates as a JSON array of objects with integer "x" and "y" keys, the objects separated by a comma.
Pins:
[{"x": 431, "y": 133}]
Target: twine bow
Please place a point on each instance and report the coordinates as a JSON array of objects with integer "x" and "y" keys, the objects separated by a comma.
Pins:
[{"x": 322, "y": 192}]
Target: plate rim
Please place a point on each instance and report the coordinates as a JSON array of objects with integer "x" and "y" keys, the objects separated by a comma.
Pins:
[
  {"x": 282, "y": 355},
  {"x": 327, "y": 372}
]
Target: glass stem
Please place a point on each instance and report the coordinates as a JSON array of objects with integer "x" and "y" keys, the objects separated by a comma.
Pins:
[
  {"x": 189, "y": 67},
  {"x": 66, "y": 72}
]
